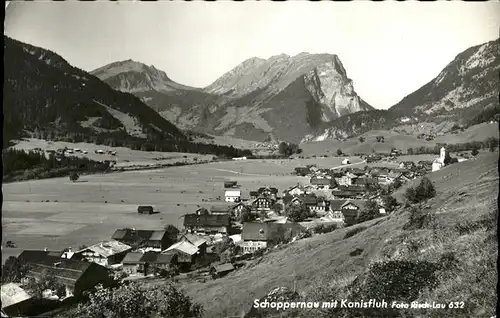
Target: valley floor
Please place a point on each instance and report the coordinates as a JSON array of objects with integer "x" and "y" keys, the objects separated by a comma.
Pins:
[{"x": 57, "y": 213}]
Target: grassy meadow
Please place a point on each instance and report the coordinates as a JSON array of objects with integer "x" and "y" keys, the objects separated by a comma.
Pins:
[
  {"x": 57, "y": 213},
  {"x": 316, "y": 267}
]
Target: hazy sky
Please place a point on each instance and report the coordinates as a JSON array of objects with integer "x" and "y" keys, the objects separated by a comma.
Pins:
[{"x": 389, "y": 49}]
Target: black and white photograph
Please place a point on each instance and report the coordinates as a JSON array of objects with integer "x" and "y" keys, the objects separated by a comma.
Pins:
[{"x": 250, "y": 159}]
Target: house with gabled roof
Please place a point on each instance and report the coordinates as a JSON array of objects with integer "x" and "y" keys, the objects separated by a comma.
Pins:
[
  {"x": 257, "y": 236},
  {"x": 268, "y": 191},
  {"x": 365, "y": 182},
  {"x": 186, "y": 252},
  {"x": 348, "y": 194},
  {"x": 263, "y": 203},
  {"x": 294, "y": 191},
  {"x": 153, "y": 239},
  {"x": 350, "y": 209},
  {"x": 232, "y": 195},
  {"x": 104, "y": 253},
  {"x": 16, "y": 301},
  {"x": 295, "y": 200},
  {"x": 232, "y": 209},
  {"x": 322, "y": 183},
  {"x": 197, "y": 240},
  {"x": 347, "y": 179},
  {"x": 221, "y": 209},
  {"x": 148, "y": 263},
  {"x": 76, "y": 276},
  {"x": 207, "y": 224}
]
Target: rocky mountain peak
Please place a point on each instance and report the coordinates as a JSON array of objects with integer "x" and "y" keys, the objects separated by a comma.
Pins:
[{"x": 131, "y": 76}]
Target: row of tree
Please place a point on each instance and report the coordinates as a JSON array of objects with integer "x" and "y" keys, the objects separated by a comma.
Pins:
[
  {"x": 288, "y": 149},
  {"x": 490, "y": 143},
  {"x": 25, "y": 165}
]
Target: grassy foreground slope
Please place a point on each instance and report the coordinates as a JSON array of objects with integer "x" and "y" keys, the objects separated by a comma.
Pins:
[{"x": 459, "y": 230}]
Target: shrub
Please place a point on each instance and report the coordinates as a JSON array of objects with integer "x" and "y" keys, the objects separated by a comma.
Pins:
[
  {"x": 397, "y": 280},
  {"x": 325, "y": 228},
  {"x": 425, "y": 190},
  {"x": 135, "y": 300},
  {"x": 419, "y": 219},
  {"x": 369, "y": 212},
  {"x": 356, "y": 252},
  {"x": 410, "y": 195},
  {"x": 390, "y": 203},
  {"x": 354, "y": 231},
  {"x": 475, "y": 152}
]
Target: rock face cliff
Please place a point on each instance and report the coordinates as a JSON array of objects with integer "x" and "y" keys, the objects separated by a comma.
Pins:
[
  {"x": 285, "y": 97},
  {"x": 323, "y": 75},
  {"x": 465, "y": 92}
]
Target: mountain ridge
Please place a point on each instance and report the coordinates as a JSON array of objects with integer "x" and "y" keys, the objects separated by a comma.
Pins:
[
  {"x": 465, "y": 91},
  {"x": 243, "y": 102},
  {"x": 47, "y": 98}
]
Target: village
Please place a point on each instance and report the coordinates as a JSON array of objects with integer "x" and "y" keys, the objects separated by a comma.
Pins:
[{"x": 221, "y": 237}]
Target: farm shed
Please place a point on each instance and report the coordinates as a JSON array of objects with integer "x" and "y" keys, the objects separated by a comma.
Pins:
[
  {"x": 346, "y": 161},
  {"x": 145, "y": 209},
  {"x": 230, "y": 184},
  {"x": 221, "y": 270}
]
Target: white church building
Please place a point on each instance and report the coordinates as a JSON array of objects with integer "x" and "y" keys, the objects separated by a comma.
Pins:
[{"x": 438, "y": 163}]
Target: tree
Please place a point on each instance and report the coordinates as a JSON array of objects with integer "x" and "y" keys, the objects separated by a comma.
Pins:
[
  {"x": 410, "y": 151},
  {"x": 397, "y": 184},
  {"x": 361, "y": 139},
  {"x": 425, "y": 190},
  {"x": 297, "y": 213},
  {"x": 247, "y": 216},
  {"x": 73, "y": 176},
  {"x": 411, "y": 195},
  {"x": 369, "y": 212},
  {"x": 475, "y": 152},
  {"x": 492, "y": 143},
  {"x": 45, "y": 281},
  {"x": 172, "y": 232},
  {"x": 278, "y": 208},
  {"x": 288, "y": 149},
  {"x": 13, "y": 270},
  {"x": 139, "y": 300},
  {"x": 389, "y": 203},
  {"x": 339, "y": 152}
]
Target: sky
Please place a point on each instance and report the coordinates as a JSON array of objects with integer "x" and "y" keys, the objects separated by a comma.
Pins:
[{"x": 389, "y": 49}]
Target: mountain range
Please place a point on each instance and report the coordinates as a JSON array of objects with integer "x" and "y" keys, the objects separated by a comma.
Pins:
[
  {"x": 284, "y": 96},
  {"x": 45, "y": 97},
  {"x": 306, "y": 97}
]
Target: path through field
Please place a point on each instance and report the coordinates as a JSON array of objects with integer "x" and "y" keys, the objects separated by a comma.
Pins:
[
  {"x": 242, "y": 173},
  {"x": 351, "y": 164}
]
